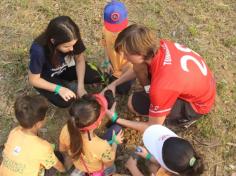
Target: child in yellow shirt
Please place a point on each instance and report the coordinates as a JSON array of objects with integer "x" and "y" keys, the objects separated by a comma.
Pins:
[
  {"x": 115, "y": 20},
  {"x": 26, "y": 154},
  {"x": 90, "y": 154}
]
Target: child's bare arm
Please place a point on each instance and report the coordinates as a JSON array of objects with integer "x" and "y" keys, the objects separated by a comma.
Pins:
[
  {"x": 131, "y": 165},
  {"x": 63, "y": 148},
  {"x": 67, "y": 160},
  {"x": 59, "y": 166}
]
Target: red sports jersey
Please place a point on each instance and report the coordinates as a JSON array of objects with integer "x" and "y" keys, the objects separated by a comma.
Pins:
[{"x": 179, "y": 72}]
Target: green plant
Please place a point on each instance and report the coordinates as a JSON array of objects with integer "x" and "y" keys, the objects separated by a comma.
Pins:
[{"x": 193, "y": 30}]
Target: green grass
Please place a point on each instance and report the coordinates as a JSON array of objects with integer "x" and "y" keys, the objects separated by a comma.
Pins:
[
  {"x": 193, "y": 30},
  {"x": 207, "y": 27},
  {"x": 206, "y": 128},
  {"x": 230, "y": 42}
]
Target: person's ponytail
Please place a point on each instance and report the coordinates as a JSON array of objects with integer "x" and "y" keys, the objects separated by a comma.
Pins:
[
  {"x": 76, "y": 142},
  {"x": 83, "y": 112}
]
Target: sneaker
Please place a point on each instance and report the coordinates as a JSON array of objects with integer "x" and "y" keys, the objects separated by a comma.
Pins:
[
  {"x": 189, "y": 123},
  {"x": 183, "y": 123}
]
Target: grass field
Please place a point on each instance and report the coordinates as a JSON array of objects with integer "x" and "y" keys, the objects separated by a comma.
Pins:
[{"x": 206, "y": 26}]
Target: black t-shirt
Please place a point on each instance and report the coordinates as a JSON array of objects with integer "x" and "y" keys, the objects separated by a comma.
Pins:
[{"x": 40, "y": 64}]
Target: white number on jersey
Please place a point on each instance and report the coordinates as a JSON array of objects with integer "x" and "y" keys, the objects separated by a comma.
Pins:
[{"x": 186, "y": 58}]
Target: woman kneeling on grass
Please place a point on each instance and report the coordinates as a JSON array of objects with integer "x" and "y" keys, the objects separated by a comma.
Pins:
[
  {"x": 90, "y": 154},
  {"x": 173, "y": 154},
  {"x": 56, "y": 59}
]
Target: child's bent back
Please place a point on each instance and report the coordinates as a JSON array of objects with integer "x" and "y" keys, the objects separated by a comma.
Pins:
[{"x": 26, "y": 154}]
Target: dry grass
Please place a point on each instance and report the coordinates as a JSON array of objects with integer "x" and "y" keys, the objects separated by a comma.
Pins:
[{"x": 206, "y": 26}]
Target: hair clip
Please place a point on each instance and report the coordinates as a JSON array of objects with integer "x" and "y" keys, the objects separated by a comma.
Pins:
[{"x": 192, "y": 161}]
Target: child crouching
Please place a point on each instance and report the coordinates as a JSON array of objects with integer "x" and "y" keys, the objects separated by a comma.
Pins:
[
  {"x": 90, "y": 154},
  {"x": 25, "y": 153}
]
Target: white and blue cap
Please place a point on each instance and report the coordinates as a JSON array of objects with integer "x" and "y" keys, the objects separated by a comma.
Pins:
[{"x": 154, "y": 138}]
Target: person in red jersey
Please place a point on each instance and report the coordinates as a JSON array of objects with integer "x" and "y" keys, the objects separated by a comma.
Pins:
[{"x": 182, "y": 87}]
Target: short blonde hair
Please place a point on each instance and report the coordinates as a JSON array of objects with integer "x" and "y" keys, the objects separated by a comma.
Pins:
[{"x": 138, "y": 40}]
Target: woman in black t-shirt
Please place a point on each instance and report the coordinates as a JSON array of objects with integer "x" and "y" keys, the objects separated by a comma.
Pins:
[{"x": 56, "y": 59}]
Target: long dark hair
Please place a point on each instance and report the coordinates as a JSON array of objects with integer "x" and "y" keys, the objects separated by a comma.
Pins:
[
  {"x": 179, "y": 156},
  {"x": 61, "y": 29},
  {"x": 83, "y": 112}
]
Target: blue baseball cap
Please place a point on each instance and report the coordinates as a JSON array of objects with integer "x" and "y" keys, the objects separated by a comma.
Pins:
[{"x": 115, "y": 16}]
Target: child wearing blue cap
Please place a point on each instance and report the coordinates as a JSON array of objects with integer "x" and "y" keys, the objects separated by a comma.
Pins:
[{"x": 115, "y": 20}]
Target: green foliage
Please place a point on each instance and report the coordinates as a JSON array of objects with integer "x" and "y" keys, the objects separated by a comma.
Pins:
[
  {"x": 221, "y": 87},
  {"x": 192, "y": 30},
  {"x": 230, "y": 42},
  {"x": 205, "y": 127}
]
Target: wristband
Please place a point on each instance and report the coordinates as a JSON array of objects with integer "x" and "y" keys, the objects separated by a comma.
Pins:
[
  {"x": 114, "y": 117},
  {"x": 113, "y": 140},
  {"x": 105, "y": 63},
  {"x": 57, "y": 89},
  {"x": 192, "y": 161},
  {"x": 110, "y": 142},
  {"x": 148, "y": 156}
]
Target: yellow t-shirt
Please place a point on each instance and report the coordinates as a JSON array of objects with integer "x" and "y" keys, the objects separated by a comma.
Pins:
[
  {"x": 26, "y": 155},
  {"x": 95, "y": 152},
  {"x": 118, "y": 62},
  {"x": 163, "y": 172}
]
